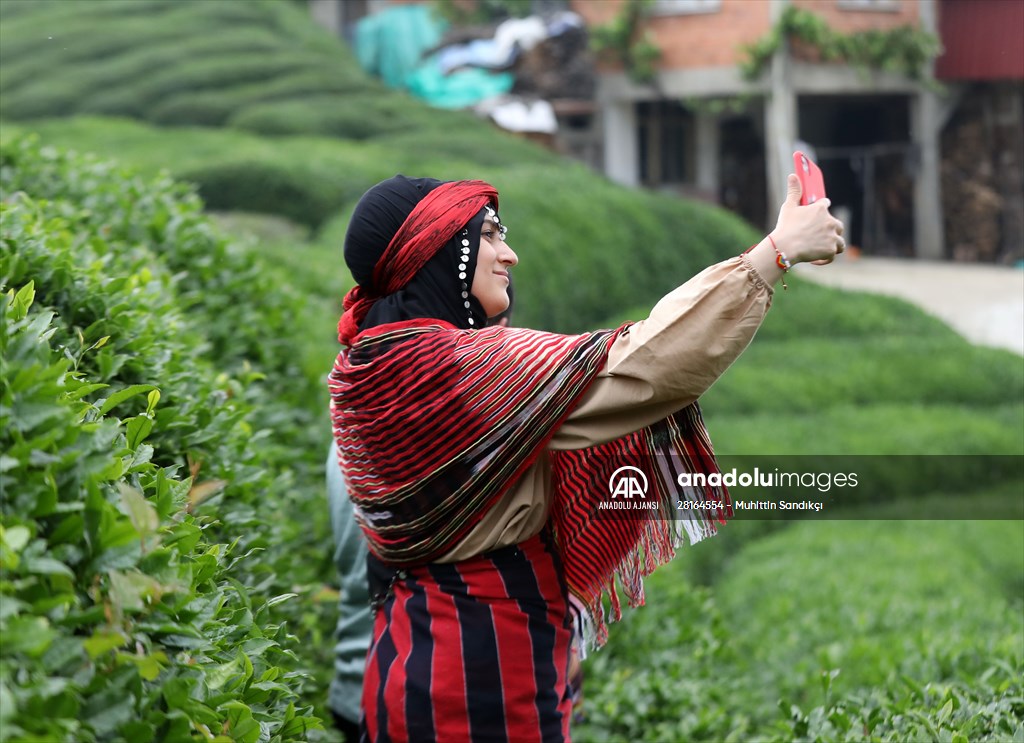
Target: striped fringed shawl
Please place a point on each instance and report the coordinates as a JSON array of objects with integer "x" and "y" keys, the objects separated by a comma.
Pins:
[{"x": 434, "y": 424}]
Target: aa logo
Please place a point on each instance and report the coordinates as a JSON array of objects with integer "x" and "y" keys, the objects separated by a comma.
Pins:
[{"x": 628, "y": 482}]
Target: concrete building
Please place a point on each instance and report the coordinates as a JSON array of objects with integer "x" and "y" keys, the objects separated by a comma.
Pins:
[{"x": 667, "y": 135}]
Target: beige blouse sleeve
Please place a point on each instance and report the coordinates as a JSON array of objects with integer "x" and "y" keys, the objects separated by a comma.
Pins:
[
  {"x": 670, "y": 359},
  {"x": 662, "y": 364}
]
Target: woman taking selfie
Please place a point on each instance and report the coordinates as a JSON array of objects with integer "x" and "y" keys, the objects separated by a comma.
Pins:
[{"x": 476, "y": 457}]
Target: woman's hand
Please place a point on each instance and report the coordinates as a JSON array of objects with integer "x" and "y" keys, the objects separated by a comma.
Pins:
[{"x": 807, "y": 234}]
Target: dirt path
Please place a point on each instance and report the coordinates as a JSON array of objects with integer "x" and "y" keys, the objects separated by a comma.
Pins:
[{"x": 983, "y": 303}]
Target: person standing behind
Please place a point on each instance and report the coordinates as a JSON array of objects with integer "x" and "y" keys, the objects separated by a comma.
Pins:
[{"x": 355, "y": 620}]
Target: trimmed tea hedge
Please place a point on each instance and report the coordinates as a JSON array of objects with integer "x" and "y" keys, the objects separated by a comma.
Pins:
[
  {"x": 587, "y": 246},
  {"x": 827, "y": 631},
  {"x": 214, "y": 108},
  {"x": 158, "y": 478},
  {"x": 261, "y": 65},
  {"x": 357, "y": 115}
]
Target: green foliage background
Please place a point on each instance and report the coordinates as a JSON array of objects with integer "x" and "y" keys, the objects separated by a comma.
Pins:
[
  {"x": 144, "y": 467},
  {"x": 165, "y": 555}
]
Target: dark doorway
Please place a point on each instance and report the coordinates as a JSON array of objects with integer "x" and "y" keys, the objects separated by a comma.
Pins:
[{"x": 863, "y": 146}]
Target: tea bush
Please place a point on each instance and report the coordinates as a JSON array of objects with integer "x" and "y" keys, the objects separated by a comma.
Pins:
[
  {"x": 358, "y": 115},
  {"x": 613, "y": 247},
  {"x": 846, "y": 630},
  {"x": 35, "y": 95},
  {"x": 303, "y": 179},
  {"x": 156, "y": 494},
  {"x": 261, "y": 65},
  {"x": 214, "y": 108},
  {"x": 104, "y": 29},
  {"x": 247, "y": 316},
  {"x": 136, "y": 100}
]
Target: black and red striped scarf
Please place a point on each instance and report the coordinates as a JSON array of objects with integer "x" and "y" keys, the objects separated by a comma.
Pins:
[{"x": 436, "y": 423}]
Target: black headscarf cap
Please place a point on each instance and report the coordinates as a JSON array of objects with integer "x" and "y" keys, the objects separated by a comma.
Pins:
[
  {"x": 376, "y": 219},
  {"x": 435, "y": 291}
]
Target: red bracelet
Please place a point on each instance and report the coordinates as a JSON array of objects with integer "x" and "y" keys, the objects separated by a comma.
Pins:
[{"x": 781, "y": 261}]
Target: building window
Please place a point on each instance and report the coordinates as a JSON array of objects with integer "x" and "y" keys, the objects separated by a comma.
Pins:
[
  {"x": 679, "y": 7},
  {"x": 883, "y": 5},
  {"x": 666, "y": 135}
]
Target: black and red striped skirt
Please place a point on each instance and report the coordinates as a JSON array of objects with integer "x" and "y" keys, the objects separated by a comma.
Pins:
[{"x": 472, "y": 651}]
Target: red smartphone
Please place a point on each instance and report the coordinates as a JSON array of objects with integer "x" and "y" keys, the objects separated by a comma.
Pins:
[{"x": 811, "y": 181}]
